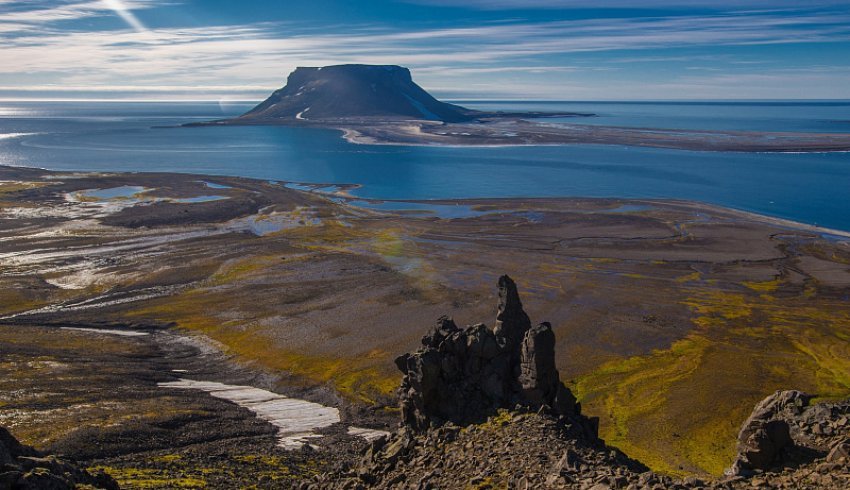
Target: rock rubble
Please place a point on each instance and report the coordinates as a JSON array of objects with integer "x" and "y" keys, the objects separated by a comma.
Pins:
[{"x": 24, "y": 468}]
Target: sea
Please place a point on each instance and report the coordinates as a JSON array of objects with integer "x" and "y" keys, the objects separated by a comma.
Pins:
[{"x": 811, "y": 188}]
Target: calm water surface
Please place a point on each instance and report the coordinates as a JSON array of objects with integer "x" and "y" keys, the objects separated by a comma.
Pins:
[{"x": 811, "y": 188}]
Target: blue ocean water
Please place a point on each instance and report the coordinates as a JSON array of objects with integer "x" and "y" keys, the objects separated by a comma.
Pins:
[
  {"x": 779, "y": 116},
  {"x": 813, "y": 188}
]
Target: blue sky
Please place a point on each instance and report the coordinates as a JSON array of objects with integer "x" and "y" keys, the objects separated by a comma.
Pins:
[{"x": 480, "y": 49}]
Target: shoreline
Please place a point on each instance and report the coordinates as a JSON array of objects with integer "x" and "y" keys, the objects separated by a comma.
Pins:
[
  {"x": 517, "y": 132},
  {"x": 342, "y": 191}
]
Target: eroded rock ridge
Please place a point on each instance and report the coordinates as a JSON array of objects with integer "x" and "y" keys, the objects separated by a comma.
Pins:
[
  {"x": 24, "y": 468},
  {"x": 464, "y": 375}
]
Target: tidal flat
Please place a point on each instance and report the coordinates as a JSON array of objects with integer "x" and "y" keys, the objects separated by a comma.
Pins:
[{"x": 673, "y": 318}]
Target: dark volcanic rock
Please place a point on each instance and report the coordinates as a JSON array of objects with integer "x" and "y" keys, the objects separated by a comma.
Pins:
[
  {"x": 764, "y": 435},
  {"x": 511, "y": 321},
  {"x": 354, "y": 91},
  {"x": 785, "y": 431},
  {"x": 464, "y": 375},
  {"x": 538, "y": 378},
  {"x": 24, "y": 468}
]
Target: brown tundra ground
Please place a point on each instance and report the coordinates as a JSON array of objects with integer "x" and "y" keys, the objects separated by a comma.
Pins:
[{"x": 673, "y": 318}]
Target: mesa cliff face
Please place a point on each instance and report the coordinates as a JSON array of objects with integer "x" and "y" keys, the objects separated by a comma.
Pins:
[{"x": 354, "y": 91}]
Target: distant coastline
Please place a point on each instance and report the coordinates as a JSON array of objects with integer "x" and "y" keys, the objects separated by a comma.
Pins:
[{"x": 522, "y": 132}]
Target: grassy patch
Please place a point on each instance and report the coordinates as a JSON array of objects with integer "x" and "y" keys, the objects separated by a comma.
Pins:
[
  {"x": 145, "y": 478},
  {"x": 12, "y": 187},
  {"x": 679, "y": 410},
  {"x": 764, "y": 286},
  {"x": 364, "y": 378}
]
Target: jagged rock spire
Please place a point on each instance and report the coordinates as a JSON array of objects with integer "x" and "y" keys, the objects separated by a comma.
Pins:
[
  {"x": 463, "y": 376},
  {"x": 511, "y": 321}
]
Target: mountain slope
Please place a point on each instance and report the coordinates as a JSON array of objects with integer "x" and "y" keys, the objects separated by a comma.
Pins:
[{"x": 354, "y": 91}]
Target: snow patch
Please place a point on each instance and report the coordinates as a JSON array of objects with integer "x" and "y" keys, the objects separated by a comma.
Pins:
[
  {"x": 106, "y": 331},
  {"x": 296, "y": 420}
]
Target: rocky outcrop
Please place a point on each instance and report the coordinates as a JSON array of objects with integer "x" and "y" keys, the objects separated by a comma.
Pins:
[
  {"x": 765, "y": 435},
  {"x": 785, "y": 431},
  {"x": 24, "y": 468},
  {"x": 485, "y": 408},
  {"x": 464, "y": 375},
  {"x": 517, "y": 450}
]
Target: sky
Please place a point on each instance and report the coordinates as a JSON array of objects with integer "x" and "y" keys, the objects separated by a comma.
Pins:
[{"x": 462, "y": 50}]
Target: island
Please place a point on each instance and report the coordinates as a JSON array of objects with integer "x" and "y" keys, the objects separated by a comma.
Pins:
[{"x": 382, "y": 105}]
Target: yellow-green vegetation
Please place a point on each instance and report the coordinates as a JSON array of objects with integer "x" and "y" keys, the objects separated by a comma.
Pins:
[
  {"x": 15, "y": 300},
  {"x": 216, "y": 309},
  {"x": 176, "y": 471},
  {"x": 358, "y": 378},
  {"x": 692, "y": 277},
  {"x": 145, "y": 478},
  {"x": 167, "y": 458},
  {"x": 332, "y": 235},
  {"x": 764, "y": 286},
  {"x": 11, "y": 187},
  {"x": 679, "y": 410},
  {"x": 496, "y": 422},
  {"x": 241, "y": 268},
  {"x": 486, "y": 484}
]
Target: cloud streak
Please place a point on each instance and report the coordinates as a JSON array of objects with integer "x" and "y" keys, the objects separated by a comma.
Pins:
[
  {"x": 616, "y": 4},
  {"x": 36, "y": 48}
]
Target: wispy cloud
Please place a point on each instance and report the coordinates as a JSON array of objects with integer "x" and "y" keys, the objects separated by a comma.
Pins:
[
  {"x": 603, "y": 4},
  {"x": 37, "y": 49},
  {"x": 31, "y": 15}
]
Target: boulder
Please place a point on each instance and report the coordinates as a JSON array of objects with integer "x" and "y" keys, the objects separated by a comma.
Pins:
[
  {"x": 767, "y": 433},
  {"x": 839, "y": 452},
  {"x": 24, "y": 468}
]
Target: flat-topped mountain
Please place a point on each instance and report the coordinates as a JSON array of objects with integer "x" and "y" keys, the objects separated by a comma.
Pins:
[
  {"x": 354, "y": 91},
  {"x": 381, "y": 104}
]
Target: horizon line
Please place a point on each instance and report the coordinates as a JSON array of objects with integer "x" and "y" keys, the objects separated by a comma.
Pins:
[{"x": 449, "y": 99}]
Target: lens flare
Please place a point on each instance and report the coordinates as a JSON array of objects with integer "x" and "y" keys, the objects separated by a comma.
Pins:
[{"x": 122, "y": 11}]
